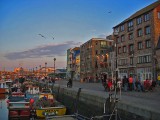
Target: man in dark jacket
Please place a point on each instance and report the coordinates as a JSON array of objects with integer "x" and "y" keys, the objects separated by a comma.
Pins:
[{"x": 125, "y": 83}]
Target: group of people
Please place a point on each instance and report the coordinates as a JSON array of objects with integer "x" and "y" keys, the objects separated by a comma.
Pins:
[
  {"x": 137, "y": 85},
  {"x": 130, "y": 84}
]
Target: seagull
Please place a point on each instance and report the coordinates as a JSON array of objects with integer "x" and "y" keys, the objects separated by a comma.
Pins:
[
  {"x": 53, "y": 38},
  {"x": 42, "y": 36}
]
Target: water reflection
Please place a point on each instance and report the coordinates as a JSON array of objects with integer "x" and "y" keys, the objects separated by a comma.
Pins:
[{"x": 3, "y": 107}]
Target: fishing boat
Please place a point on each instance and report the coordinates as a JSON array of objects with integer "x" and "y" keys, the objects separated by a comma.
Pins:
[
  {"x": 18, "y": 110},
  {"x": 46, "y": 105},
  {"x": 57, "y": 109},
  {"x": 16, "y": 96},
  {"x": 4, "y": 85},
  {"x": 46, "y": 92}
]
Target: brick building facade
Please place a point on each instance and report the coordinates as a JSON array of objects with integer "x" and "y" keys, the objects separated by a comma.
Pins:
[
  {"x": 94, "y": 61},
  {"x": 136, "y": 42}
]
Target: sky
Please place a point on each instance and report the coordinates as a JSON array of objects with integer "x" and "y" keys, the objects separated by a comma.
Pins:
[{"x": 33, "y": 32}]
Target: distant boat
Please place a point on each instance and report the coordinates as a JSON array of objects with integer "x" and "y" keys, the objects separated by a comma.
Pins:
[
  {"x": 4, "y": 85},
  {"x": 16, "y": 96},
  {"x": 32, "y": 89},
  {"x": 46, "y": 92}
]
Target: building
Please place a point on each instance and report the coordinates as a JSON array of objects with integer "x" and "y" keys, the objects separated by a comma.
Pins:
[
  {"x": 158, "y": 58},
  {"x": 94, "y": 59},
  {"x": 73, "y": 63},
  {"x": 136, "y": 40}
]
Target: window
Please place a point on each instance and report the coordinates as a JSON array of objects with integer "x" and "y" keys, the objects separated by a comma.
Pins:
[
  {"x": 147, "y": 17},
  {"x": 116, "y": 30},
  {"x": 144, "y": 59},
  {"x": 122, "y": 38},
  {"x": 96, "y": 52},
  {"x": 122, "y": 28},
  {"x": 103, "y": 44},
  {"x": 130, "y": 36},
  {"x": 96, "y": 64},
  {"x": 124, "y": 49},
  {"x": 147, "y": 30},
  {"x": 101, "y": 51},
  {"x": 139, "y": 20},
  {"x": 158, "y": 15},
  {"x": 122, "y": 62},
  {"x": 130, "y": 25},
  {"x": 139, "y": 32},
  {"x": 140, "y": 45},
  {"x": 119, "y": 50},
  {"x": 131, "y": 49},
  {"x": 118, "y": 40},
  {"x": 148, "y": 43},
  {"x": 131, "y": 60}
]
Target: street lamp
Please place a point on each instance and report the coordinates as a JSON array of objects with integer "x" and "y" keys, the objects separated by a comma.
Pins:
[
  {"x": 45, "y": 69},
  {"x": 36, "y": 71},
  {"x": 40, "y": 69},
  {"x": 54, "y": 67}
]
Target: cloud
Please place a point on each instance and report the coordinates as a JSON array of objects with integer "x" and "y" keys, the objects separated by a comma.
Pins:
[
  {"x": 103, "y": 35},
  {"x": 43, "y": 51}
]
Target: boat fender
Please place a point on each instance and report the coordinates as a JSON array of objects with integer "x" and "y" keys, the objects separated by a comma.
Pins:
[{"x": 31, "y": 101}]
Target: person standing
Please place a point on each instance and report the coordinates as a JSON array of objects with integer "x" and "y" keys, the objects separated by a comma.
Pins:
[
  {"x": 130, "y": 82},
  {"x": 158, "y": 78},
  {"x": 125, "y": 83},
  {"x": 134, "y": 80}
]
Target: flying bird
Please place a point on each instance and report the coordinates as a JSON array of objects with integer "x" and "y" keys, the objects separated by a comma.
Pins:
[
  {"x": 42, "y": 36},
  {"x": 109, "y": 11}
]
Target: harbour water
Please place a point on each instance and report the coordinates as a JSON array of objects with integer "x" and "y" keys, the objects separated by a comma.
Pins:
[{"x": 3, "y": 107}]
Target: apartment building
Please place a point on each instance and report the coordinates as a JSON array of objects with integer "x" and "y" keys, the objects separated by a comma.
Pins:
[
  {"x": 73, "y": 63},
  {"x": 94, "y": 59},
  {"x": 136, "y": 40},
  {"x": 158, "y": 58}
]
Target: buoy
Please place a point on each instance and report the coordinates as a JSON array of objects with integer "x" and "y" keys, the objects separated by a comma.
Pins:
[{"x": 31, "y": 101}]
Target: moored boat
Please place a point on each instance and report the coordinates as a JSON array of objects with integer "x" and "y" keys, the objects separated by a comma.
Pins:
[
  {"x": 51, "y": 111},
  {"x": 46, "y": 93},
  {"x": 18, "y": 110},
  {"x": 16, "y": 96},
  {"x": 46, "y": 107}
]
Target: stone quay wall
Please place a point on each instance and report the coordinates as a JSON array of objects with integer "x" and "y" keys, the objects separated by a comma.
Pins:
[{"x": 91, "y": 104}]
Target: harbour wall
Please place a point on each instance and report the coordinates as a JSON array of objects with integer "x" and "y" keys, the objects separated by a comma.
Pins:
[{"x": 90, "y": 105}]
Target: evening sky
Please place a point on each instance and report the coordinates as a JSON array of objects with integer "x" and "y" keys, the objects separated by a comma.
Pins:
[{"x": 33, "y": 32}]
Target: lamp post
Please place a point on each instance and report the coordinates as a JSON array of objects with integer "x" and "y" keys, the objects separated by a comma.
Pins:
[
  {"x": 54, "y": 67},
  {"x": 45, "y": 69},
  {"x": 36, "y": 72},
  {"x": 40, "y": 70}
]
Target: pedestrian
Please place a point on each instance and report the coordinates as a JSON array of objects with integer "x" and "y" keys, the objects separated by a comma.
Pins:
[
  {"x": 109, "y": 84},
  {"x": 153, "y": 85},
  {"x": 147, "y": 85},
  {"x": 138, "y": 86},
  {"x": 158, "y": 78},
  {"x": 134, "y": 80},
  {"x": 130, "y": 82},
  {"x": 125, "y": 82}
]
